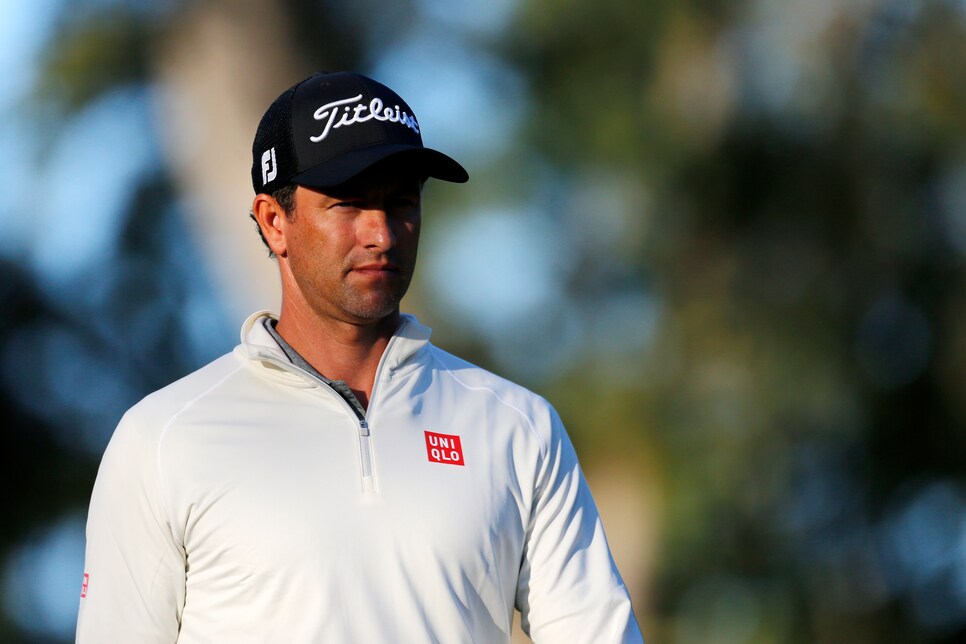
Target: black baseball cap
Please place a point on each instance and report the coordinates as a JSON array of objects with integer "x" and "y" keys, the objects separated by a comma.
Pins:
[{"x": 328, "y": 128}]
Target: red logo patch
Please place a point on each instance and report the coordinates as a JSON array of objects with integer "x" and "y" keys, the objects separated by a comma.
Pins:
[
  {"x": 444, "y": 448},
  {"x": 87, "y": 579}
]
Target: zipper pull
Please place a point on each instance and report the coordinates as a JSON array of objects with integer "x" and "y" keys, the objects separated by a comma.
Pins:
[{"x": 366, "y": 447}]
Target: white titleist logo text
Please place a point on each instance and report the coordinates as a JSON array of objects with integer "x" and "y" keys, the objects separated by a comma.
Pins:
[{"x": 335, "y": 118}]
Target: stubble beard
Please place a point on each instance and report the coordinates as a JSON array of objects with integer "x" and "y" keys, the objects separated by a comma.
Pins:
[{"x": 372, "y": 306}]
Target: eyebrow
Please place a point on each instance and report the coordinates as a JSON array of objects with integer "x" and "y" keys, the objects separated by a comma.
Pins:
[{"x": 413, "y": 186}]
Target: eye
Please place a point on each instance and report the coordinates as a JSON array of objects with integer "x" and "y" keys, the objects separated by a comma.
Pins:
[
  {"x": 404, "y": 201},
  {"x": 347, "y": 205}
]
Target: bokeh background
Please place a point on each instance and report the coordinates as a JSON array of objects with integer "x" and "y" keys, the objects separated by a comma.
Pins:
[{"x": 726, "y": 238}]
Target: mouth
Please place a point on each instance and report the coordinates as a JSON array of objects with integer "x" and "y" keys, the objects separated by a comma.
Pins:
[{"x": 376, "y": 270}]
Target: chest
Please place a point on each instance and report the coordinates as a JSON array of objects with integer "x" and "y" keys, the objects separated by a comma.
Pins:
[{"x": 429, "y": 492}]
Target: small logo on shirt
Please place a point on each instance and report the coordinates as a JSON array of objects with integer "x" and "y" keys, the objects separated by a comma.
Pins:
[
  {"x": 87, "y": 579},
  {"x": 444, "y": 448}
]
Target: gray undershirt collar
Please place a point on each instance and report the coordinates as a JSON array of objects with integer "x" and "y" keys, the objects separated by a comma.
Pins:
[{"x": 339, "y": 385}]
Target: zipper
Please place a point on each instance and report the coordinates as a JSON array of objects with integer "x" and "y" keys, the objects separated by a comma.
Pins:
[
  {"x": 365, "y": 442},
  {"x": 365, "y": 446}
]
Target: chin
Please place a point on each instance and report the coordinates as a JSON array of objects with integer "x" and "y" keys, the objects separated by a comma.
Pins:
[{"x": 373, "y": 311}]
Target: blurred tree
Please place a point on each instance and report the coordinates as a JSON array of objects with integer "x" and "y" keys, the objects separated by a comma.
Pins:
[
  {"x": 79, "y": 350},
  {"x": 764, "y": 210},
  {"x": 800, "y": 385}
]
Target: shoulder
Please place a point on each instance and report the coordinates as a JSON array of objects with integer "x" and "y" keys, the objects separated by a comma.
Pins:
[
  {"x": 474, "y": 381},
  {"x": 154, "y": 413},
  {"x": 476, "y": 378}
]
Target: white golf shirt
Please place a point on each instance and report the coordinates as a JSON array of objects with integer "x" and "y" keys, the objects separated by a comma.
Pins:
[{"x": 247, "y": 502}]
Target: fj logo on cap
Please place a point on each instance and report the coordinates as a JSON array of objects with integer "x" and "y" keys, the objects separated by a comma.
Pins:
[
  {"x": 269, "y": 168},
  {"x": 444, "y": 448},
  {"x": 361, "y": 113}
]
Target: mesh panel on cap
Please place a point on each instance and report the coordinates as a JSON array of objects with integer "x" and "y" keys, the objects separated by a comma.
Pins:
[{"x": 275, "y": 131}]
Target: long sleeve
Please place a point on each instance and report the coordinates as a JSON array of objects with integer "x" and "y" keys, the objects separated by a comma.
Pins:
[
  {"x": 135, "y": 565},
  {"x": 569, "y": 589}
]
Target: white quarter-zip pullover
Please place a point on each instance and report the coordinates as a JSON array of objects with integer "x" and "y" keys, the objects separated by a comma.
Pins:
[{"x": 248, "y": 502}]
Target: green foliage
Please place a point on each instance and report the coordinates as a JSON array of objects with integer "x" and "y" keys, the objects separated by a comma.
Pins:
[
  {"x": 788, "y": 182},
  {"x": 798, "y": 240},
  {"x": 94, "y": 54}
]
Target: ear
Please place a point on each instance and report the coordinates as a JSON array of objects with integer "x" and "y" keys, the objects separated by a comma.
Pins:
[{"x": 270, "y": 217}]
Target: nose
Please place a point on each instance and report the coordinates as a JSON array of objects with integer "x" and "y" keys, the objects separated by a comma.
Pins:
[{"x": 375, "y": 229}]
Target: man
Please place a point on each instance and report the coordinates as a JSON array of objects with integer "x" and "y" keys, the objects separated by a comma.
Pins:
[{"x": 337, "y": 477}]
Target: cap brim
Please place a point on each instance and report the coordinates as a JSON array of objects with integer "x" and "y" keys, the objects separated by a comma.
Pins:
[{"x": 429, "y": 162}]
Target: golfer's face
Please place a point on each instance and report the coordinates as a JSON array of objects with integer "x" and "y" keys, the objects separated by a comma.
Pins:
[{"x": 352, "y": 249}]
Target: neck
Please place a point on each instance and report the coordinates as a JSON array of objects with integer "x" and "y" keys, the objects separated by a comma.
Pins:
[{"x": 340, "y": 350}]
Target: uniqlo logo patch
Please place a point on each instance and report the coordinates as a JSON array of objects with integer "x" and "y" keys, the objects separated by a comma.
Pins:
[
  {"x": 87, "y": 579},
  {"x": 444, "y": 448}
]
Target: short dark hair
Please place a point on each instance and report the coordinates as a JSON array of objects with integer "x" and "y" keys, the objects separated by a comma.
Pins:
[{"x": 285, "y": 196}]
